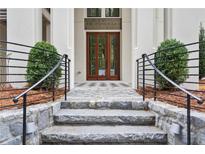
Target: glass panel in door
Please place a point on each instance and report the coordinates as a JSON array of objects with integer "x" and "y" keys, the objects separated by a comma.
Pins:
[
  {"x": 114, "y": 54},
  {"x": 3, "y": 36},
  {"x": 102, "y": 54},
  {"x": 92, "y": 54}
]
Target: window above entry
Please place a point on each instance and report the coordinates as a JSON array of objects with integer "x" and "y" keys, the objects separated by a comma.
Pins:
[
  {"x": 112, "y": 12},
  {"x": 103, "y": 12},
  {"x": 94, "y": 12}
]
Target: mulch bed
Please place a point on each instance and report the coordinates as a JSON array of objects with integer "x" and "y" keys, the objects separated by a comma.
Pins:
[
  {"x": 33, "y": 97},
  {"x": 202, "y": 85},
  {"x": 175, "y": 97}
]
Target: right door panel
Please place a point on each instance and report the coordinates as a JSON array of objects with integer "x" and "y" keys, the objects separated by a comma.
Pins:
[{"x": 114, "y": 56}]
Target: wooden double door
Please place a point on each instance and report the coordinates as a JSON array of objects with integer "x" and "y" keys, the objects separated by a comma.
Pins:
[{"x": 103, "y": 55}]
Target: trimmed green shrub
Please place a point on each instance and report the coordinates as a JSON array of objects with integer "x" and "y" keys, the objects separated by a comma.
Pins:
[
  {"x": 171, "y": 59},
  {"x": 40, "y": 63},
  {"x": 201, "y": 52}
]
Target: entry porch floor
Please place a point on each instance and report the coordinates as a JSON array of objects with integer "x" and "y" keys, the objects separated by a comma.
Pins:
[{"x": 101, "y": 91}]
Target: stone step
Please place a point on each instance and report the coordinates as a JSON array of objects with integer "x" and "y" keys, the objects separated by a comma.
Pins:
[
  {"x": 102, "y": 104},
  {"x": 103, "y": 117},
  {"x": 96, "y": 134}
]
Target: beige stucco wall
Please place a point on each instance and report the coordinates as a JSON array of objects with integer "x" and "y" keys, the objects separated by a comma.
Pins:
[
  {"x": 80, "y": 46},
  {"x": 23, "y": 26},
  {"x": 182, "y": 24},
  {"x": 185, "y": 27}
]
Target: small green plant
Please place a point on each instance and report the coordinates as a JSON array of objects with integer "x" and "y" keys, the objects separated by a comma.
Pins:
[
  {"x": 201, "y": 52},
  {"x": 171, "y": 59},
  {"x": 42, "y": 59}
]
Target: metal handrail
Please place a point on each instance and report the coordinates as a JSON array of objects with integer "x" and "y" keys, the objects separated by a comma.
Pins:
[
  {"x": 40, "y": 81},
  {"x": 27, "y": 46},
  {"x": 189, "y": 94},
  {"x": 174, "y": 47},
  {"x": 199, "y": 100},
  {"x": 62, "y": 61},
  {"x": 24, "y": 94}
]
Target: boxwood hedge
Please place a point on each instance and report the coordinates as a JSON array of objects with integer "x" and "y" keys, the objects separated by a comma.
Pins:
[
  {"x": 42, "y": 58},
  {"x": 171, "y": 59}
]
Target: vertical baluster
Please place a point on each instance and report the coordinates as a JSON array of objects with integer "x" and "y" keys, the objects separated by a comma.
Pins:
[
  {"x": 138, "y": 74},
  {"x": 155, "y": 80},
  {"x": 53, "y": 86},
  {"x": 24, "y": 119},
  {"x": 143, "y": 56},
  {"x": 69, "y": 74},
  {"x": 66, "y": 75},
  {"x": 188, "y": 120}
]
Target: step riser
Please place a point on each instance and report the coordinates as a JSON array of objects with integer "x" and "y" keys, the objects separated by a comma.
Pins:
[
  {"x": 104, "y": 143},
  {"x": 106, "y": 105},
  {"x": 105, "y": 139},
  {"x": 106, "y": 120}
]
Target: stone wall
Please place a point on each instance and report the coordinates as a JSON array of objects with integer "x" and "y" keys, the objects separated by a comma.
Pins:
[
  {"x": 173, "y": 120},
  {"x": 169, "y": 118},
  {"x": 39, "y": 117}
]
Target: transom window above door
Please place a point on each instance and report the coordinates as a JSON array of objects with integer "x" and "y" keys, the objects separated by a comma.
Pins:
[
  {"x": 112, "y": 12},
  {"x": 103, "y": 12},
  {"x": 93, "y": 12}
]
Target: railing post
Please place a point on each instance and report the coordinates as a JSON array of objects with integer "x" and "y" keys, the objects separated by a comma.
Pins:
[
  {"x": 53, "y": 87},
  {"x": 143, "y": 76},
  {"x": 155, "y": 80},
  {"x": 188, "y": 120},
  {"x": 66, "y": 79},
  {"x": 24, "y": 119},
  {"x": 137, "y": 73}
]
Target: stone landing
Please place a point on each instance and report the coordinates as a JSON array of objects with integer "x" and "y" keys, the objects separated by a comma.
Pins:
[{"x": 103, "y": 91}]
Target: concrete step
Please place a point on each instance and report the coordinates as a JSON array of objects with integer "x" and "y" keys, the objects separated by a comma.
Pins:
[
  {"x": 129, "y": 104},
  {"x": 103, "y": 117},
  {"x": 96, "y": 134}
]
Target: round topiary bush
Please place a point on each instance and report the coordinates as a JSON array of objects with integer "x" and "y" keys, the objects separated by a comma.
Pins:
[
  {"x": 40, "y": 63},
  {"x": 171, "y": 59}
]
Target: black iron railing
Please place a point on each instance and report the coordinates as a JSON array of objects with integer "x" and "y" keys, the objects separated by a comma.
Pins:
[
  {"x": 188, "y": 94},
  {"x": 14, "y": 89}
]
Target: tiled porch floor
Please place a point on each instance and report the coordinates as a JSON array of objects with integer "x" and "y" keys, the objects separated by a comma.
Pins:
[
  {"x": 103, "y": 91},
  {"x": 102, "y": 84}
]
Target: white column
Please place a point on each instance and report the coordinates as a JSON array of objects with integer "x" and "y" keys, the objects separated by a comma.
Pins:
[
  {"x": 167, "y": 23},
  {"x": 126, "y": 49},
  {"x": 134, "y": 45},
  {"x": 158, "y": 29},
  {"x": 71, "y": 46},
  {"x": 144, "y": 31},
  {"x": 62, "y": 35},
  {"x": 80, "y": 45}
]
